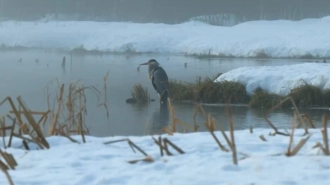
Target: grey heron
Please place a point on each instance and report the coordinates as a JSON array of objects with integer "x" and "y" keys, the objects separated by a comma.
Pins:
[{"x": 159, "y": 79}]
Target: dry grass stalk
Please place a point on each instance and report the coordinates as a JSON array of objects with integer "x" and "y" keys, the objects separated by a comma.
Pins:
[
  {"x": 167, "y": 130},
  {"x": 70, "y": 117},
  {"x": 135, "y": 146},
  {"x": 159, "y": 143},
  {"x": 223, "y": 148},
  {"x": 185, "y": 126},
  {"x": 224, "y": 135},
  {"x": 319, "y": 145},
  {"x": 245, "y": 156},
  {"x": 15, "y": 111},
  {"x": 232, "y": 137},
  {"x": 167, "y": 150},
  {"x": 174, "y": 121},
  {"x": 31, "y": 112},
  {"x": 274, "y": 128},
  {"x": 62, "y": 133},
  {"x": 3, "y": 132},
  {"x": 4, "y": 169},
  {"x": 210, "y": 123},
  {"x": 59, "y": 101},
  {"x": 23, "y": 137},
  {"x": 301, "y": 143},
  {"x": 196, "y": 126},
  {"x": 26, "y": 146},
  {"x": 36, "y": 141},
  {"x": 296, "y": 110},
  {"x": 251, "y": 129},
  {"x": 199, "y": 108},
  {"x": 308, "y": 119},
  {"x": 40, "y": 137},
  {"x": 9, "y": 159},
  {"x": 299, "y": 115},
  {"x": 130, "y": 143},
  {"x": 145, "y": 127},
  {"x": 105, "y": 103},
  {"x": 163, "y": 146},
  {"x": 146, "y": 159},
  {"x": 80, "y": 127},
  {"x": 298, "y": 146},
  {"x": 325, "y": 135},
  {"x": 3, "y": 165},
  {"x": 262, "y": 137},
  {"x": 292, "y": 133},
  {"x": 165, "y": 140},
  {"x": 11, "y": 132},
  {"x": 172, "y": 113}
]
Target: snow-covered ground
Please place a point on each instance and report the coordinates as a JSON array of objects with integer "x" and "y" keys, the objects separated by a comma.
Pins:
[
  {"x": 280, "y": 79},
  {"x": 280, "y": 38},
  {"x": 95, "y": 163}
]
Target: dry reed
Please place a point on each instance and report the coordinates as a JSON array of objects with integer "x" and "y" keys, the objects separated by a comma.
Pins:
[
  {"x": 105, "y": 103},
  {"x": 325, "y": 135},
  {"x": 130, "y": 143},
  {"x": 262, "y": 137},
  {"x": 163, "y": 146},
  {"x": 232, "y": 137},
  {"x": 296, "y": 111},
  {"x": 71, "y": 110},
  {"x": 301, "y": 143}
]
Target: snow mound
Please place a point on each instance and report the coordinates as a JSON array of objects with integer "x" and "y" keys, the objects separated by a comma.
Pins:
[{"x": 280, "y": 79}]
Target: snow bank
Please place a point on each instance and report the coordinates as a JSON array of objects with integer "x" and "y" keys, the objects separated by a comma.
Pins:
[
  {"x": 94, "y": 163},
  {"x": 281, "y": 38},
  {"x": 280, "y": 79}
]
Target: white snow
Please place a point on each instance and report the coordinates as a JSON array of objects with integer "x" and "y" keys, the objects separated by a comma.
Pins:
[
  {"x": 280, "y": 38},
  {"x": 280, "y": 79},
  {"x": 95, "y": 163}
]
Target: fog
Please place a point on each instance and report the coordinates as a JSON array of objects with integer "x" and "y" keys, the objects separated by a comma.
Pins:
[{"x": 219, "y": 12}]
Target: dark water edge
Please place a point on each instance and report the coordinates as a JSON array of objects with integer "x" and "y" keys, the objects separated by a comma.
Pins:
[{"x": 82, "y": 51}]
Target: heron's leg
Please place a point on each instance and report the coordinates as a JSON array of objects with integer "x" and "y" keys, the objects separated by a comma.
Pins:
[{"x": 160, "y": 97}]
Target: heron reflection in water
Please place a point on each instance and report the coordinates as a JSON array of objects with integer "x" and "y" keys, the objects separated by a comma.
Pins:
[{"x": 160, "y": 119}]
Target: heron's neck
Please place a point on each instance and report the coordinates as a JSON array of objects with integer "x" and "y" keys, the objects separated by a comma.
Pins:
[{"x": 151, "y": 68}]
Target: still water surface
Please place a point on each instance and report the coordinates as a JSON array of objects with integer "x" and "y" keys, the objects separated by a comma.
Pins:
[{"x": 29, "y": 77}]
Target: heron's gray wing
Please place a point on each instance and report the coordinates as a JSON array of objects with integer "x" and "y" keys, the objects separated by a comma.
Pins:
[{"x": 159, "y": 80}]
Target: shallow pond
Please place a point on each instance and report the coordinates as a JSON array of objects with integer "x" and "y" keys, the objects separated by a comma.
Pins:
[{"x": 27, "y": 73}]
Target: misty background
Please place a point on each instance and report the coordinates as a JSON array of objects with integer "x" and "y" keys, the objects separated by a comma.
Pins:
[{"x": 216, "y": 12}]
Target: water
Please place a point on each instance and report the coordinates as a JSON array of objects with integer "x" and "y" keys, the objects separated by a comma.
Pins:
[{"x": 30, "y": 76}]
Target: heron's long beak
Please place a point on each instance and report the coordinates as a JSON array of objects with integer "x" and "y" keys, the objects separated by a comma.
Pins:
[{"x": 144, "y": 64}]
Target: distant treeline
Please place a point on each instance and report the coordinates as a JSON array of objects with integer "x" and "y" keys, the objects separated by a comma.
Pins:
[{"x": 164, "y": 11}]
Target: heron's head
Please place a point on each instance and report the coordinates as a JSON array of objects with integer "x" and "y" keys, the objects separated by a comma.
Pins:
[{"x": 151, "y": 62}]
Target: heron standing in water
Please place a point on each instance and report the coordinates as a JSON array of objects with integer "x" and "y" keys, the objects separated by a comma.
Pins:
[{"x": 159, "y": 79}]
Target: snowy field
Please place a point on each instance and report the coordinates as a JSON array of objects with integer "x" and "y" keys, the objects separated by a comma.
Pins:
[
  {"x": 94, "y": 163},
  {"x": 280, "y": 38},
  {"x": 280, "y": 79}
]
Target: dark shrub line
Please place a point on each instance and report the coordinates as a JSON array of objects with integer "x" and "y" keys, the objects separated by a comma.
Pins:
[{"x": 207, "y": 91}]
